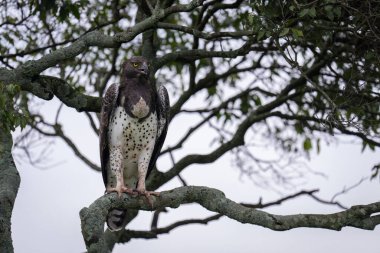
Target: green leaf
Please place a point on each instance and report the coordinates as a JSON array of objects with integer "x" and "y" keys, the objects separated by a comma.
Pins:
[
  {"x": 244, "y": 104},
  {"x": 284, "y": 32},
  {"x": 12, "y": 113},
  {"x": 298, "y": 127},
  {"x": 312, "y": 12},
  {"x": 256, "y": 99},
  {"x": 337, "y": 12},
  {"x": 329, "y": 12},
  {"x": 364, "y": 145},
  {"x": 260, "y": 35},
  {"x": 304, "y": 12},
  {"x": 297, "y": 33},
  {"x": 330, "y": 15},
  {"x": 8, "y": 38},
  {"x": 307, "y": 144},
  {"x": 250, "y": 19},
  {"x": 212, "y": 90},
  {"x": 75, "y": 11}
]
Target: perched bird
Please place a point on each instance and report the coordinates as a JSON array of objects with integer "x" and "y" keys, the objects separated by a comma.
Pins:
[{"x": 133, "y": 126}]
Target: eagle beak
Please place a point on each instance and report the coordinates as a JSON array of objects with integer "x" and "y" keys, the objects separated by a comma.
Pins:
[{"x": 144, "y": 68}]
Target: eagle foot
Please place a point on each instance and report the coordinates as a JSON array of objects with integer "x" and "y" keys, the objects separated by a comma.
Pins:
[
  {"x": 147, "y": 195},
  {"x": 120, "y": 190}
]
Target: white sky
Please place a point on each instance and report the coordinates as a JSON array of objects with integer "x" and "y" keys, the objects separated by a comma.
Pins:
[{"x": 46, "y": 213}]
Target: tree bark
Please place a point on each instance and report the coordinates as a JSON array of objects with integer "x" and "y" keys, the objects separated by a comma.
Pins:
[
  {"x": 93, "y": 217},
  {"x": 9, "y": 184}
]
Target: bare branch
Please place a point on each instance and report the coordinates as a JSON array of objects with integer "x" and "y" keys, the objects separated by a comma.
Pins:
[
  {"x": 349, "y": 188},
  {"x": 206, "y": 119},
  {"x": 57, "y": 132},
  {"x": 156, "y": 216},
  {"x": 92, "y": 123},
  {"x": 329, "y": 123}
]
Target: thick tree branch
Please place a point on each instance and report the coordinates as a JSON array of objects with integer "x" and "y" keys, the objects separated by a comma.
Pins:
[
  {"x": 127, "y": 235},
  {"x": 93, "y": 217},
  {"x": 167, "y": 229},
  {"x": 155, "y": 231},
  {"x": 65, "y": 92},
  {"x": 9, "y": 184}
]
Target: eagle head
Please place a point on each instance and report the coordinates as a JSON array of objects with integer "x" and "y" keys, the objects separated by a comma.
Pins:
[{"x": 137, "y": 66}]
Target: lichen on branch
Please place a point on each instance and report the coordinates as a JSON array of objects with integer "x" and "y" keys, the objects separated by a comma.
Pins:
[
  {"x": 9, "y": 184},
  {"x": 93, "y": 217}
]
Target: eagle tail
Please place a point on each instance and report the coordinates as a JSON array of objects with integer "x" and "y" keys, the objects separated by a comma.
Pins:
[{"x": 116, "y": 219}]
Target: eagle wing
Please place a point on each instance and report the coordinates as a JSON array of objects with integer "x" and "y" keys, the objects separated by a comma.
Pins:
[
  {"x": 163, "y": 108},
  {"x": 108, "y": 105}
]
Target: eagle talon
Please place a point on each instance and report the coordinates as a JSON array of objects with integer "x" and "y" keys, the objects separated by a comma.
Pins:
[
  {"x": 147, "y": 195},
  {"x": 120, "y": 190}
]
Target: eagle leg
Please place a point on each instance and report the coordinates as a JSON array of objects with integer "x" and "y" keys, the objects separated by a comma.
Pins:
[
  {"x": 117, "y": 171},
  {"x": 142, "y": 169},
  {"x": 141, "y": 190}
]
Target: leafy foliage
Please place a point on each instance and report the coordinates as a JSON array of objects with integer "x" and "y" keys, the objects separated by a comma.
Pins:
[
  {"x": 346, "y": 31},
  {"x": 296, "y": 72},
  {"x": 13, "y": 111},
  {"x": 59, "y": 9}
]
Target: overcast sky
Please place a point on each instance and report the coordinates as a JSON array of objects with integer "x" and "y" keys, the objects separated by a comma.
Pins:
[{"x": 46, "y": 213}]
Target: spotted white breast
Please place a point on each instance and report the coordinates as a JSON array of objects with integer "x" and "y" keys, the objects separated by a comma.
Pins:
[{"x": 131, "y": 142}]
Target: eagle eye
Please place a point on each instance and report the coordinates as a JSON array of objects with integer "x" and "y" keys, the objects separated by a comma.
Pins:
[{"x": 135, "y": 64}]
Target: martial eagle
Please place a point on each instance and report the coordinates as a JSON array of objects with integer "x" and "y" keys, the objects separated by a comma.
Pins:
[{"x": 133, "y": 126}]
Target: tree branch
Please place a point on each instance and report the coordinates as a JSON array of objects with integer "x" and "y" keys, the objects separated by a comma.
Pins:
[
  {"x": 57, "y": 128},
  {"x": 66, "y": 93},
  {"x": 214, "y": 111},
  {"x": 93, "y": 217},
  {"x": 204, "y": 35},
  {"x": 152, "y": 234},
  {"x": 127, "y": 235},
  {"x": 210, "y": 80},
  {"x": 329, "y": 123},
  {"x": 196, "y": 54}
]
